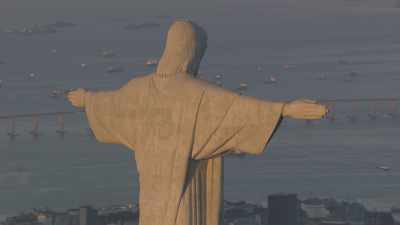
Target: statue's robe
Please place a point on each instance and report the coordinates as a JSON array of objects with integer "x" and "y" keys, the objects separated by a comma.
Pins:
[{"x": 179, "y": 128}]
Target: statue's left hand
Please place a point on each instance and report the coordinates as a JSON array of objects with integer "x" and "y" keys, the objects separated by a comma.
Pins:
[
  {"x": 77, "y": 97},
  {"x": 304, "y": 109}
]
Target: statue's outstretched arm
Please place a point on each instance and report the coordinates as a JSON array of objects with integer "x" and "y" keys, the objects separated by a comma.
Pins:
[
  {"x": 304, "y": 109},
  {"x": 102, "y": 112},
  {"x": 247, "y": 124}
]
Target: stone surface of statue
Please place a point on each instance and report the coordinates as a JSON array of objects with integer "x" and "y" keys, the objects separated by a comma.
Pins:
[{"x": 180, "y": 127}]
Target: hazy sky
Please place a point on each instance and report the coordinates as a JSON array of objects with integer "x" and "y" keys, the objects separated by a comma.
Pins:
[
  {"x": 17, "y": 12},
  {"x": 153, "y": 4},
  {"x": 133, "y": 4},
  {"x": 12, "y": 10}
]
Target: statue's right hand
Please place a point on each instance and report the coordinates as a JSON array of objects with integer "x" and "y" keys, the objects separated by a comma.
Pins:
[
  {"x": 304, "y": 109},
  {"x": 77, "y": 97}
]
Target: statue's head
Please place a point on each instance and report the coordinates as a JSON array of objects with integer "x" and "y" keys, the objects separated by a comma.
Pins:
[{"x": 185, "y": 46}]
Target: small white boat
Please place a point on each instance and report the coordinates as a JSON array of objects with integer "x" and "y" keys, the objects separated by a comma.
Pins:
[
  {"x": 243, "y": 85},
  {"x": 56, "y": 93},
  {"x": 288, "y": 66},
  {"x": 151, "y": 62},
  {"x": 218, "y": 77},
  {"x": 32, "y": 76},
  {"x": 115, "y": 69},
  {"x": 384, "y": 168},
  {"x": 390, "y": 115},
  {"x": 270, "y": 80},
  {"x": 108, "y": 53},
  {"x": 242, "y": 88}
]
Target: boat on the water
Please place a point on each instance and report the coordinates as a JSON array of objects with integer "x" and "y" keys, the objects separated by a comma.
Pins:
[
  {"x": 115, "y": 69},
  {"x": 151, "y": 62},
  {"x": 384, "y": 168},
  {"x": 270, "y": 80},
  {"x": 108, "y": 53}
]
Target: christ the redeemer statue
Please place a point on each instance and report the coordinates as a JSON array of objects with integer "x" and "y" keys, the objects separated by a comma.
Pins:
[{"x": 180, "y": 128}]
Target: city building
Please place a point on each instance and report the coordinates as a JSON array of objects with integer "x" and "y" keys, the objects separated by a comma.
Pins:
[
  {"x": 379, "y": 218},
  {"x": 87, "y": 216},
  {"x": 283, "y": 209},
  {"x": 334, "y": 223}
]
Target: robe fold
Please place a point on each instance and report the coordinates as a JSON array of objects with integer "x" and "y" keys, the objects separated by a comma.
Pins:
[{"x": 179, "y": 128}]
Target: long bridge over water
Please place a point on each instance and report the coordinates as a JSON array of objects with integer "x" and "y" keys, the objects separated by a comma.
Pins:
[{"x": 390, "y": 112}]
